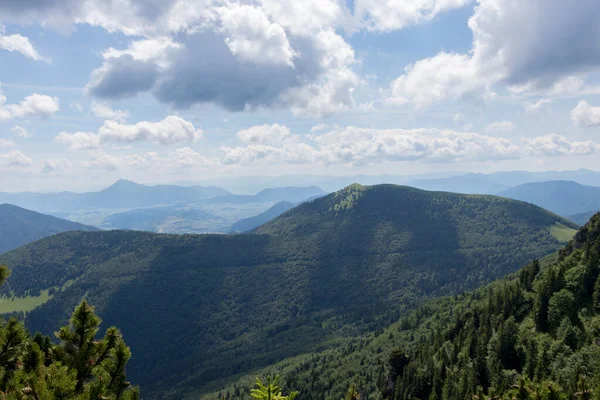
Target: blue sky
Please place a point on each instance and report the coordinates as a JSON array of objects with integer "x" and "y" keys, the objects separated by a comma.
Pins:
[{"x": 174, "y": 90}]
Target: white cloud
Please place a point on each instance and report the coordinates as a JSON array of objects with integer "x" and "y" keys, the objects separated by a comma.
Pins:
[
  {"x": 364, "y": 146},
  {"x": 188, "y": 158},
  {"x": 586, "y": 115},
  {"x": 319, "y": 128},
  {"x": 6, "y": 143},
  {"x": 558, "y": 145},
  {"x": 252, "y": 37},
  {"x": 271, "y": 54},
  {"x": 507, "y": 50},
  {"x": 21, "y": 132},
  {"x": 445, "y": 76},
  {"x": 500, "y": 126},
  {"x": 391, "y": 15},
  {"x": 265, "y": 134},
  {"x": 101, "y": 110},
  {"x": 34, "y": 105},
  {"x": 20, "y": 44},
  {"x": 78, "y": 140},
  {"x": 157, "y": 49},
  {"x": 52, "y": 166},
  {"x": 172, "y": 129},
  {"x": 15, "y": 159},
  {"x": 78, "y": 107},
  {"x": 360, "y": 146},
  {"x": 533, "y": 107}
]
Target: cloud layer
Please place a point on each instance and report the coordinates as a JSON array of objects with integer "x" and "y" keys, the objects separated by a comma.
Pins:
[{"x": 170, "y": 130}]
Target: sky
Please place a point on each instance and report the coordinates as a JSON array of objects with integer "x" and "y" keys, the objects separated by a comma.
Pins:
[{"x": 161, "y": 91}]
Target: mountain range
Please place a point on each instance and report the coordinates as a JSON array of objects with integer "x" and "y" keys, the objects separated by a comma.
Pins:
[
  {"x": 122, "y": 194},
  {"x": 19, "y": 226},
  {"x": 160, "y": 208},
  {"x": 565, "y": 198},
  {"x": 198, "y": 310},
  {"x": 497, "y": 182}
]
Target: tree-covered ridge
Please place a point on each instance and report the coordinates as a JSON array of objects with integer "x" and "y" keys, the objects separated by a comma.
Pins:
[
  {"x": 311, "y": 279},
  {"x": 534, "y": 335},
  {"x": 79, "y": 367}
]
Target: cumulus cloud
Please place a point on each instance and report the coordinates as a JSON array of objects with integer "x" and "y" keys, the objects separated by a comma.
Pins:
[
  {"x": 500, "y": 126},
  {"x": 586, "y": 115},
  {"x": 122, "y": 77},
  {"x": 34, "y": 105},
  {"x": 270, "y": 54},
  {"x": 359, "y": 146},
  {"x": 78, "y": 140},
  {"x": 101, "y": 110},
  {"x": 172, "y": 129},
  {"x": 21, "y": 132},
  {"x": 507, "y": 50},
  {"x": 391, "y": 15},
  {"x": 558, "y": 145},
  {"x": 20, "y": 44},
  {"x": 444, "y": 76},
  {"x": 252, "y": 37},
  {"x": 60, "y": 165},
  {"x": 15, "y": 159},
  {"x": 187, "y": 158},
  {"x": 533, "y": 107},
  {"x": 364, "y": 146},
  {"x": 6, "y": 143},
  {"x": 265, "y": 134}
]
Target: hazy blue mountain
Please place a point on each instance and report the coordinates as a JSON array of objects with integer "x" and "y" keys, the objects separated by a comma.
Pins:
[
  {"x": 582, "y": 218},
  {"x": 19, "y": 226},
  {"x": 247, "y": 224},
  {"x": 123, "y": 194},
  {"x": 561, "y": 197},
  {"x": 168, "y": 219},
  {"x": 468, "y": 184},
  {"x": 505, "y": 180},
  {"x": 127, "y": 194},
  {"x": 500, "y": 181},
  {"x": 514, "y": 178},
  {"x": 291, "y": 194}
]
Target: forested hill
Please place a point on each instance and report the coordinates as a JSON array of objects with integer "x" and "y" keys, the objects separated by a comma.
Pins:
[
  {"x": 534, "y": 335},
  {"x": 199, "y": 309},
  {"x": 19, "y": 226}
]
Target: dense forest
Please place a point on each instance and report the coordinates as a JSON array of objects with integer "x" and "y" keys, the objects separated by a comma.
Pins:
[
  {"x": 533, "y": 335},
  {"x": 80, "y": 366},
  {"x": 318, "y": 277}
]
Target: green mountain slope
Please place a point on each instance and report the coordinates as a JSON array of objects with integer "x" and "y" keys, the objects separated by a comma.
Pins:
[
  {"x": 562, "y": 197},
  {"x": 537, "y": 330},
  {"x": 197, "y": 309},
  {"x": 19, "y": 226}
]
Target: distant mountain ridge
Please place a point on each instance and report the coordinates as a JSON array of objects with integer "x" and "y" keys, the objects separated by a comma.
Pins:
[
  {"x": 122, "y": 194},
  {"x": 19, "y": 226},
  {"x": 494, "y": 183},
  {"x": 250, "y": 223},
  {"x": 291, "y": 194},
  {"x": 561, "y": 197}
]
